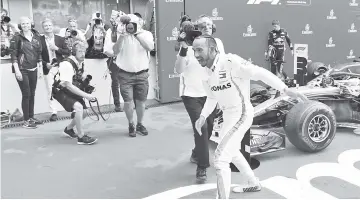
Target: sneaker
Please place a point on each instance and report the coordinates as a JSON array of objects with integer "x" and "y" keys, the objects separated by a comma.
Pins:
[
  {"x": 87, "y": 140},
  {"x": 36, "y": 121},
  {"x": 201, "y": 175},
  {"x": 193, "y": 157},
  {"x": 249, "y": 188},
  {"x": 29, "y": 124},
  {"x": 140, "y": 129},
  {"x": 53, "y": 117},
  {"x": 70, "y": 133},
  {"x": 132, "y": 130}
]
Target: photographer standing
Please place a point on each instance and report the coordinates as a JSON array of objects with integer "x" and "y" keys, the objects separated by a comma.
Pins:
[
  {"x": 131, "y": 49},
  {"x": 26, "y": 59},
  {"x": 110, "y": 39},
  {"x": 72, "y": 33},
  {"x": 192, "y": 91},
  {"x": 54, "y": 51},
  {"x": 95, "y": 36},
  {"x": 66, "y": 91}
]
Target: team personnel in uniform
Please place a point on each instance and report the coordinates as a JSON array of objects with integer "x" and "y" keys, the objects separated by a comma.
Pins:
[
  {"x": 228, "y": 84},
  {"x": 194, "y": 96},
  {"x": 277, "y": 40}
]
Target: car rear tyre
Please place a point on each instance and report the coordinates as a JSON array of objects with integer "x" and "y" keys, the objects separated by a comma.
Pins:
[
  {"x": 314, "y": 67},
  {"x": 310, "y": 126}
]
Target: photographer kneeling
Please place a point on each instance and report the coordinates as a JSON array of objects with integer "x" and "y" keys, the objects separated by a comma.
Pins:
[{"x": 68, "y": 89}]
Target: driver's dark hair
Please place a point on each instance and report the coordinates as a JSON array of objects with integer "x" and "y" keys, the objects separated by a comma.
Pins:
[
  {"x": 211, "y": 42},
  {"x": 138, "y": 15}
]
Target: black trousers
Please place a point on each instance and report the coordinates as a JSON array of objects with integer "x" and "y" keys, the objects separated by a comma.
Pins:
[
  {"x": 115, "y": 85},
  {"x": 28, "y": 87},
  {"x": 193, "y": 106},
  {"x": 276, "y": 62}
]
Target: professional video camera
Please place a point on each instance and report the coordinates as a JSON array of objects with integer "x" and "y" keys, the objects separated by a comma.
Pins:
[
  {"x": 98, "y": 19},
  {"x": 130, "y": 27},
  {"x": 190, "y": 30}
]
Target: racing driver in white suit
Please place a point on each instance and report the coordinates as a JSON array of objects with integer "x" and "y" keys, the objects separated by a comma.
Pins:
[{"x": 228, "y": 84}]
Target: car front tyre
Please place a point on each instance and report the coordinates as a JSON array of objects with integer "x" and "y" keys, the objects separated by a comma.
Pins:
[{"x": 310, "y": 126}]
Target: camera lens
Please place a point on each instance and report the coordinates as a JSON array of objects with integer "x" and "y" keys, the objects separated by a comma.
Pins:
[
  {"x": 6, "y": 19},
  {"x": 73, "y": 33},
  {"x": 97, "y": 21}
]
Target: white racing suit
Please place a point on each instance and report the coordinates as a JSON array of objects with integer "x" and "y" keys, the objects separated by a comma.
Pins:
[{"x": 228, "y": 85}]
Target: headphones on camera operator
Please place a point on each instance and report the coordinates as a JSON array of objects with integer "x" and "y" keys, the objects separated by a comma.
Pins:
[
  {"x": 31, "y": 21},
  {"x": 205, "y": 16}
]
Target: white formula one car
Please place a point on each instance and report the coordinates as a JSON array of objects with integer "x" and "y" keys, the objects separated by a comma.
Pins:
[{"x": 334, "y": 101}]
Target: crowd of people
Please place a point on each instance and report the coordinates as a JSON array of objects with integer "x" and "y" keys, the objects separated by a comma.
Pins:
[{"x": 59, "y": 59}]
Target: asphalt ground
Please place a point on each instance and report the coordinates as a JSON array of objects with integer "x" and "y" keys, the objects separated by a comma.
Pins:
[{"x": 42, "y": 163}]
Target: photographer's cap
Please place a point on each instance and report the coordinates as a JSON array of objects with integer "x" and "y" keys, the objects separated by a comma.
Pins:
[{"x": 95, "y": 17}]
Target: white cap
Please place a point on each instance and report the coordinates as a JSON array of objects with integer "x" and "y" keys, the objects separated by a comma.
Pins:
[{"x": 94, "y": 15}]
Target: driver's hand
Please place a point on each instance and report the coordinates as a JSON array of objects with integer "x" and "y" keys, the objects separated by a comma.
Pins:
[
  {"x": 295, "y": 94},
  {"x": 200, "y": 123}
]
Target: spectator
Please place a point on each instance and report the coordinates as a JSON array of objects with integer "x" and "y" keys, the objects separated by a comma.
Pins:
[
  {"x": 26, "y": 59},
  {"x": 132, "y": 49},
  {"x": 110, "y": 39},
  {"x": 54, "y": 50}
]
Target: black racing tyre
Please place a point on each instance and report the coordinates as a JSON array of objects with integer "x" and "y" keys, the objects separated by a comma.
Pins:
[
  {"x": 312, "y": 67},
  {"x": 310, "y": 126}
]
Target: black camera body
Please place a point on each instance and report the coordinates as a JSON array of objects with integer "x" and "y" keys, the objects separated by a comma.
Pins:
[
  {"x": 5, "y": 50},
  {"x": 73, "y": 33},
  {"x": 5, "y": 19},
  {"x": 83, "y": 85},
  {"x": 97, "y": 21}
]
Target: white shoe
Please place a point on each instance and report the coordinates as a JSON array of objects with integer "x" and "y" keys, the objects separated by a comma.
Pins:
[
  {"x": 247, "y": 188},
  {"x": 357, "y": 131}
]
